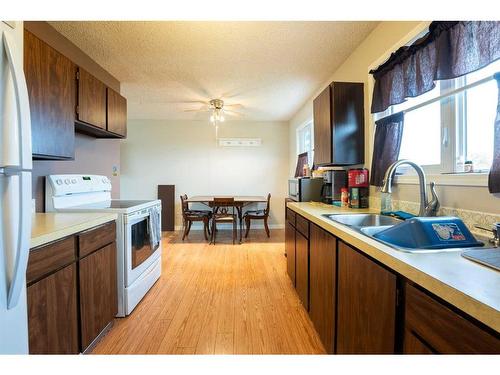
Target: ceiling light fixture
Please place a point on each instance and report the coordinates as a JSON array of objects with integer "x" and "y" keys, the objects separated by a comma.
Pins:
[
  {"x": 217, "y": 111},
  {"x": 216, "y": 114}
]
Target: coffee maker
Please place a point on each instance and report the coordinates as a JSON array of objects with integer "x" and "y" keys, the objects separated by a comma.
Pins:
[{"x": 333, "y": 182}]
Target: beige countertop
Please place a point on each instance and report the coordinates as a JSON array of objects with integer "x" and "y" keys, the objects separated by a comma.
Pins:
[
  {"x": 48, "y": 227},
  {"x": 471, "y": 287}
]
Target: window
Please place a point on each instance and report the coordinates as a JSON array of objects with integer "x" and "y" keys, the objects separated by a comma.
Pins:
[
  {"x": 451, "y": 124},
  {"x": 305, "y": 142}
]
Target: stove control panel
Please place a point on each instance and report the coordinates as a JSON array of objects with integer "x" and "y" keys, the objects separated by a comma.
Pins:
[{"x": 65, "y": 184}]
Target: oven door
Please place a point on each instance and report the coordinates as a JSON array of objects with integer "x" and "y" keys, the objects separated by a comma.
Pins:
[{"x": 139, "y": 252}]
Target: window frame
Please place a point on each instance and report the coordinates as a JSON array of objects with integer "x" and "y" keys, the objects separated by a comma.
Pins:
[
  {"x": 456, "y": 179},
  {"x": 453, "y": 99},
  {"x": 298, "y": 130}
]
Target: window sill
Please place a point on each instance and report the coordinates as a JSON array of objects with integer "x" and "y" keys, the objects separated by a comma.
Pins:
[{"x": 456, "y": 179}]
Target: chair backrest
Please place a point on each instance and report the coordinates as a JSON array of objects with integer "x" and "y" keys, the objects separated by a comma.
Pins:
[
  {"x": 184, "y": 204},
  {"x": 224, "y": 203},
  {"x": 266, "y": 212}
]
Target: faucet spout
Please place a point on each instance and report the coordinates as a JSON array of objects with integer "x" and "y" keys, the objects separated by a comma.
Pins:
[
  {"x": 433, "y": 206},
  {"x": 389, "y": 175}
]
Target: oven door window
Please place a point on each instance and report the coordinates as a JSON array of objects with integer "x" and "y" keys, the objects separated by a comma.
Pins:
[{"x": 141, "y": 245}]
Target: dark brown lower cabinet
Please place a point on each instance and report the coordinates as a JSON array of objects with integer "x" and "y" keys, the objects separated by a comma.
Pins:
[
  {"x": 439, "y": 329},
  {"x": 356, "y": 304},
  {"x": 302, "y": 269},
  {"x": 52, "y": 313},
  {"x": 366, "y": 305},
  {"x": 322, "y": 284},
  {"x": 290, "y": 251},
  {"x": 98, "y": 294},
  {"x": 414, "y": 344},
  {"x": 72, "y": 298}
]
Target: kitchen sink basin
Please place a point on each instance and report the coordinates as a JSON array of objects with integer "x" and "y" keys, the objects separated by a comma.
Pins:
[
  {"x": 372, "y": 224},
  {"x": 363, "y": 220},
  {"x": 374, "y": 230}
]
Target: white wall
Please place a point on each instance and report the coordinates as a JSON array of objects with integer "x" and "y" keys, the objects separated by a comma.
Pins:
[
  {"x": 374, "y": 50},
  {"x": 184, "y": 153}
]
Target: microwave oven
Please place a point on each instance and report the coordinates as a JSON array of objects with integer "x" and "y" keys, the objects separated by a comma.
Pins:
[{"x": 305, "y": 189}]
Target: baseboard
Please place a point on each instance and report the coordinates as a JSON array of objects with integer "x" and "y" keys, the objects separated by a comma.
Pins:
[{"x": 199, "y": 226}]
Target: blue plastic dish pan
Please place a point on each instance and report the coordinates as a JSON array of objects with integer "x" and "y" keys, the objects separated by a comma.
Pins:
[{"x": 430, "y": 233}]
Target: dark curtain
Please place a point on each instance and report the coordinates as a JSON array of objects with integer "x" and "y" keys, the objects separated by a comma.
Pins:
[
  {"x": 388, "y": 135},
  {"x": 494, "y": 176},
  {"x": 301, "y": 161},
  {"x": 450, "y": 49}
]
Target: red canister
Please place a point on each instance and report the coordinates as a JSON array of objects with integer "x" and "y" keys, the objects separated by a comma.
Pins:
[{"x": 358, "y": 177}]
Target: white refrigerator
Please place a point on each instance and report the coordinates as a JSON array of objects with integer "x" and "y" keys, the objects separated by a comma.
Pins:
[{"x": 15, "y": 190}]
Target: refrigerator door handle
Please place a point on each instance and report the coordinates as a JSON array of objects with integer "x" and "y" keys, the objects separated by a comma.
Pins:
[
  {"x": 20, "y": 263},
  {"x": 22, "y": 105}
]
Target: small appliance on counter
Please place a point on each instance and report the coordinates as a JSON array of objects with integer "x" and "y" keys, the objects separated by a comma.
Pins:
[
  {"x": 359, "y": 188},
  {"x": 305, "y": 189},
  {"x": 333, "y": 183}
]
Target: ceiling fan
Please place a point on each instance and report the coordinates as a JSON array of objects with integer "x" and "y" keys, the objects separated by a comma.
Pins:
[{"x": 218, "y": 110}]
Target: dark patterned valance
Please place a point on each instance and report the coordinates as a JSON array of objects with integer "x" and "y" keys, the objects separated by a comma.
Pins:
[{"x": 450, "y": 49}]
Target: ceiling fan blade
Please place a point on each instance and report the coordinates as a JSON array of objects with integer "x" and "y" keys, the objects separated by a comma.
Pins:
[
  {"x": 205, "y": 103},
  {"x": 235, "y": 105},
  {"x": 234, "y": 113},
  {"x": 196, "y": 110}
]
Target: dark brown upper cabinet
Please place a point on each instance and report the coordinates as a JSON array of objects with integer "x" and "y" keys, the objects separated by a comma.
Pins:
[
  {"x": 50, "y": 78},
  {"x": 101, "y": 112},
  {"x": 116, "y": 113},
  {"x": 91, "y": 108},
  {"x": 339, "y": 125}
]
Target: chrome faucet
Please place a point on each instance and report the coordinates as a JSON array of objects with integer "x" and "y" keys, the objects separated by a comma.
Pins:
[{"x": 426, "y": 208}]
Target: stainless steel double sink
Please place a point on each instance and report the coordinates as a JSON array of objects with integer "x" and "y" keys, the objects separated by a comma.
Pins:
[
  {"x": 371, "y": 224},
  {"x": 363, "y": 220}
]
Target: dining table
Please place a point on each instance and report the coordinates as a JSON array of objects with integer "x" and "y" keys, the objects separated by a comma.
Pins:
[{"x": 240, "y": 201}]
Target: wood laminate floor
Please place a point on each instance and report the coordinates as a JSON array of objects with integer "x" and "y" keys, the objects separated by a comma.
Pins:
[{"x": 222, "y": 299}]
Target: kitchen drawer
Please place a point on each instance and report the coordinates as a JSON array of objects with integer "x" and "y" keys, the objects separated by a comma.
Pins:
[
  {"x": 290, "y": 216},
  {"x": 442, "y": 329},
  {"x": 49, "y": 258},
  {"x": 96, "y": 238},
  {"x": 302, "y": 225}
]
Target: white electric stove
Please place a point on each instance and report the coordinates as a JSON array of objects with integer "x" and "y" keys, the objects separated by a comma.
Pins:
[{"x": 138, "y": 230}]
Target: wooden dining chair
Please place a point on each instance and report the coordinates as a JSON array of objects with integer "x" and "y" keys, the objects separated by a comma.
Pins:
[
  {"x": 224, "y": 211},
  {"x": 258, "y": 215},
  {"x": 188, "y": 216}
]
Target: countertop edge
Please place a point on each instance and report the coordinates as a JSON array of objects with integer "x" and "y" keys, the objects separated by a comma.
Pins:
[
  {"x": 70, "y": 230},
  {"x": 477, "y": 309}
]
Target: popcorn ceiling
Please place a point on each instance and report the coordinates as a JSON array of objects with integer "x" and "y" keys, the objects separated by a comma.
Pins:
[{"x": 167, "y": 68}]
